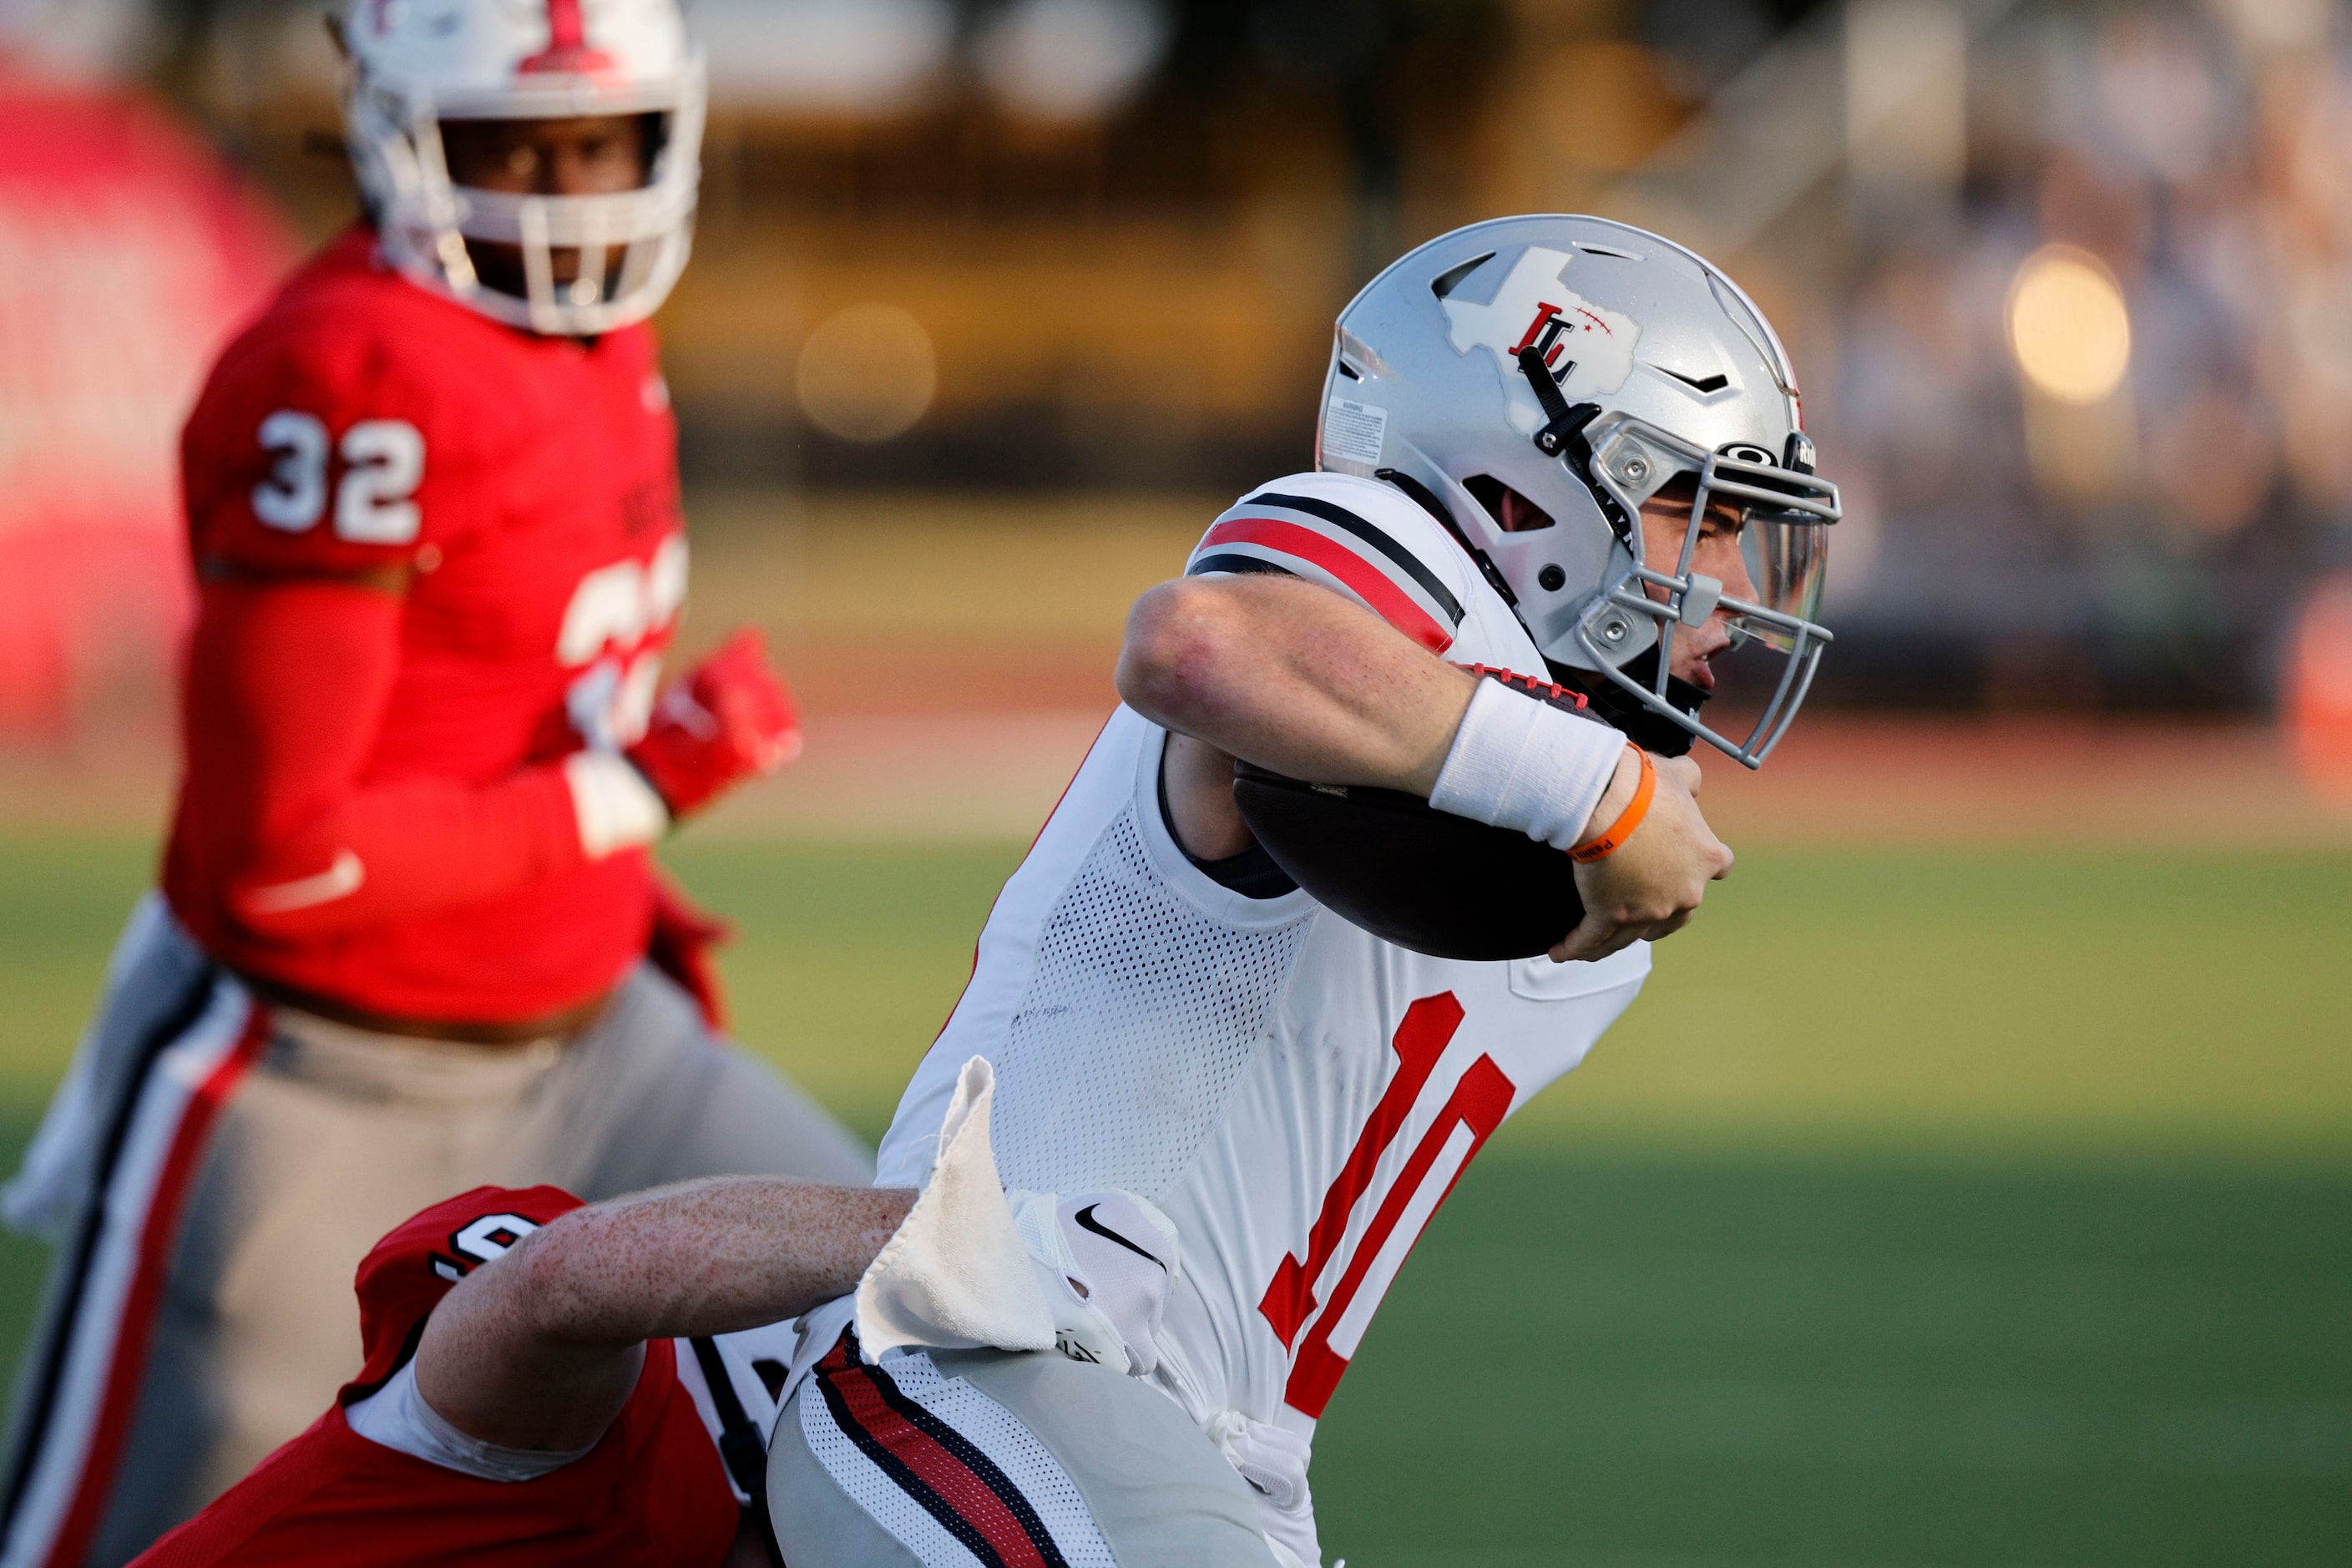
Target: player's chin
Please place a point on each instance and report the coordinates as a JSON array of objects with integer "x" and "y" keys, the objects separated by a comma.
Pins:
[
  {"x": 1694, "y": 660},
  {"x": 498, "y": 268},
  {"x": 1696, "y": 668}
]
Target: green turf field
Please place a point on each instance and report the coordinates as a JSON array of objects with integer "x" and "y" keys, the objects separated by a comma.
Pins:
[{"x": 1986, "y": 1209}]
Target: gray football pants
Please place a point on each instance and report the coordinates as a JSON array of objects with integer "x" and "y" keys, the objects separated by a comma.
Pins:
[
  {"x": 940, "y": 1458},
  {"x": 242, "y": 1159}
]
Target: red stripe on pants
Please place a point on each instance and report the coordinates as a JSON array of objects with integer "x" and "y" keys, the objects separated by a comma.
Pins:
[
  {"x": 966, "y": 1493},
  {"x": 135, "y": 1329}
]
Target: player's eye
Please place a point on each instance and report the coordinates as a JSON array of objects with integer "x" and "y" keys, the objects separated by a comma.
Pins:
[{"x": 522, "y": 160}]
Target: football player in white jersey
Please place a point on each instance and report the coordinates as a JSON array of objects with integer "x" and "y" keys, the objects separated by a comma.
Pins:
[{"x": 1553, "y": 445}]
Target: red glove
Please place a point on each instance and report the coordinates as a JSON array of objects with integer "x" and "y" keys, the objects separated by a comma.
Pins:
[
  {"x": 732, "y": 718},
  {"x": 683, "y": 946}
]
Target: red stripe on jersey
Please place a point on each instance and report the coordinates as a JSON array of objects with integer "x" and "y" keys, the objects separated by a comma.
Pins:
[
  {"x": 1361, "y": 577},
  {"x": 136, "y": 1325},
  {"x": 961, "y": 1488}
]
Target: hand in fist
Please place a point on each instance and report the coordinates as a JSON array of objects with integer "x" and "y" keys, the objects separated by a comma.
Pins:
[
  {"x": 729, "y": 718},
  {"x": 1650, "y": 888}
]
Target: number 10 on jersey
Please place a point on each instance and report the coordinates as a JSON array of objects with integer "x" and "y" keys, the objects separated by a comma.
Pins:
[{"x": 1481, "y": 1098}]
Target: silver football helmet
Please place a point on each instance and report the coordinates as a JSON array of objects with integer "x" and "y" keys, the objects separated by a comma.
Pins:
[{"x": 1587, "y": 365}]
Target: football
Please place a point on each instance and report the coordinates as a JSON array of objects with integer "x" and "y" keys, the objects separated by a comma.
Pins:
[{"x": 1423, "y": 878}]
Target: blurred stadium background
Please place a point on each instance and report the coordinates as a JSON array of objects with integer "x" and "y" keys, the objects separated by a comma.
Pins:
[{"x": 1973, "y": 1187}]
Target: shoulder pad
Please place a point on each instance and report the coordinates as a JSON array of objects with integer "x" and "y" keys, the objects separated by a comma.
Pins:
[
  {"x": 1359, "y": 537},
  {"x": 322, "y": 442}
]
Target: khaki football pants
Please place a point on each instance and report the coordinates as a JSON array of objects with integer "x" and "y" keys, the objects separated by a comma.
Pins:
[{"x": 330, "y": 1138}]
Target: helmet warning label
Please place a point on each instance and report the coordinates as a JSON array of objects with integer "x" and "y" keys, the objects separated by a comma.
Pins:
[{"x": 1353, "y": 432}]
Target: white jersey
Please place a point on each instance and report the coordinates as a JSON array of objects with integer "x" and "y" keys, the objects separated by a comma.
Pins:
[{"x": 1298, "y": 1095}]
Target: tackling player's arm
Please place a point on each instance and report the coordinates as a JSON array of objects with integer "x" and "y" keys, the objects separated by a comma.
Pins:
[
  {"x": 1300, "y": 679},
  {"x": 541, "y": 1347}
]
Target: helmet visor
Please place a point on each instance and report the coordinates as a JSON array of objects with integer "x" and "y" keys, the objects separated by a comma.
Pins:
[
  {"x": 1787, "y": 560},
  {"x": 1784, "y": 538}
]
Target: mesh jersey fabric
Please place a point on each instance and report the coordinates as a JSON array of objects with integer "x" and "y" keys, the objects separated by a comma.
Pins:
[
  {"x": 1140, "y": 1012},
  {"x": 525, "y": 489},
  {"x": 1296, "y": 1095}
]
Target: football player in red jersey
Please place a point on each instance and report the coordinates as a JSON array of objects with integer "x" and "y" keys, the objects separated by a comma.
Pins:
[
  {"x": 403, "y": 942},
  {"x": 546, "y": 1382}
]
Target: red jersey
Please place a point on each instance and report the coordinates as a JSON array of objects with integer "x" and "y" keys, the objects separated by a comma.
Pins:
[
  {"x": 436, "y": 556},
  {"x": 652, "y": 1491}
]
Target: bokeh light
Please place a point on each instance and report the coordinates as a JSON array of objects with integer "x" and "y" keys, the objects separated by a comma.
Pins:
[
  {"x": 2068, "y": 325},
  {"x": 868, "y": 372},
  {"x": 1070, "y": 60}
]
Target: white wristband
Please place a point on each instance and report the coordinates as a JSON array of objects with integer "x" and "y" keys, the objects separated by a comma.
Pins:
[
  {"x": 614, "y": 805},
  {"x": 1520, "y": 762}
]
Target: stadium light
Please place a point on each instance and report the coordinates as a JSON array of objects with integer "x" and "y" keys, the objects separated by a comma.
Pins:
[{"x": 2068, "y": 326}]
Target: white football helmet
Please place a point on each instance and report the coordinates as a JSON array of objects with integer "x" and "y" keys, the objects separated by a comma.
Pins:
[
  {"x": 1586, "y": 364},
  {"x": 416, "y": 63}
]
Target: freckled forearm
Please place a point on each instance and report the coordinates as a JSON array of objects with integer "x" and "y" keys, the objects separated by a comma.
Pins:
[
  {"x": 540, "y": 1349},
  {"x": 709, "y": 1257}
]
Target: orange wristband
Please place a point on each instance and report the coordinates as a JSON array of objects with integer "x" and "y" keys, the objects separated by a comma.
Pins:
[{"x": 1622, "y": 829}]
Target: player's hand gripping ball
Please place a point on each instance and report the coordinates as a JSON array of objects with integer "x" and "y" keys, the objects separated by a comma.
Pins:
[
  {"x": 729, "y": 718},
  {"x": 1410, "y": 874}
]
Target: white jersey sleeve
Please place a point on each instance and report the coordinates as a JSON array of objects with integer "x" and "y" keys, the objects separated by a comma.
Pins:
[{"x": 396, "y": 1416}]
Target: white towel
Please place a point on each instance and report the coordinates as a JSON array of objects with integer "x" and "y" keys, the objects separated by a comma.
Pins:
[{"x": 956, "y": 1275}]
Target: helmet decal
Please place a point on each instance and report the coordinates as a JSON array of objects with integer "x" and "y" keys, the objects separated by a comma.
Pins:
[
  {"x": 1587, "y": 348},
  {"x": 567, "y": 44}
]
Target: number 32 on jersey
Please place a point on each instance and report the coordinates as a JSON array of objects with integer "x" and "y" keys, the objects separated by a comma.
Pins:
[
  {"x": 382, "y": 464},
  {"x": 1403, "y": 1205}
]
